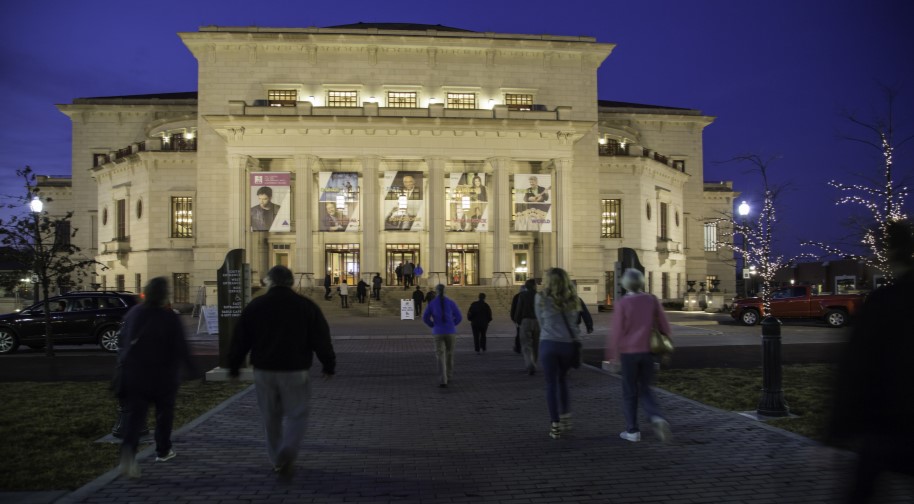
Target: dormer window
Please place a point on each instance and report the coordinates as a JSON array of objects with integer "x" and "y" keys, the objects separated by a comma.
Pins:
[
  {"x": 516, "y": 101},
  {"x": 282, "y": 97},
  {"x": 342, "y": 98},
  {"x": 465, "y": 101}
]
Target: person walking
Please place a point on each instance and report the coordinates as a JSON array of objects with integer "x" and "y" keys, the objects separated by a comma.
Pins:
[
  {"x": 557, "y": 309},
  {"x": 399, "y": 272},
  {"x": 443, "y": 316},
  {"x": 361, "y": 290},
  {"x": 525, "y": 316},
  {"x": 344, "y": 294},
  {"x": 635, "y": 315},
  {"x": 282, "y": 331},
  {"x": 417, "y": 273},
  {"x": 429, "y": 296},
  {"x": 327, "y": 283},
  {"x": 479, "y": 315},
  {"x": 376, "y": 282},
  {"x": 516, "y": 323},
  {"x": 152, "y": 350},
  {"x": 408, "y": 269},
  {"x": 418, "y": 298}
]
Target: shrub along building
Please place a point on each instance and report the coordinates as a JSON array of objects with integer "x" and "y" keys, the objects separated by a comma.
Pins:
[{"x": 483, "y": 157}]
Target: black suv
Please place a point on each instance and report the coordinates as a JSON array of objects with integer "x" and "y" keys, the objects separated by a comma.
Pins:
[{"x": 76, "y": 318}]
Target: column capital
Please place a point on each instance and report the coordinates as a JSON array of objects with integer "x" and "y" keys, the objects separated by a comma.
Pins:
[
  {"x": 562, "y": 163},
  {"x": 498, "y": 161},
  {"x": 436, "y": 160}
]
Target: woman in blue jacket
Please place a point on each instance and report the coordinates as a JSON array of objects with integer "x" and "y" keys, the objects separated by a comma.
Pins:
[{"x": 442, "y": 315}]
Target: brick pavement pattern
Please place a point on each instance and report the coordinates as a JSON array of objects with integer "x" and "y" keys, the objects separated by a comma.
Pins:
[{"x": 381, "y": 431}]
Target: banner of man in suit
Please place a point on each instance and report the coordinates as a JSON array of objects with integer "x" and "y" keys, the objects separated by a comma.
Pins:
[
  {"x": 533, "y": 202},
  {"x": 338, "y": 203},
  {"x": 403, "y": 206}
]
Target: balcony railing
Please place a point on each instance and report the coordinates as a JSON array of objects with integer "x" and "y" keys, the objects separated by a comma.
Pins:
[
  {"x": 613, "y": 149},
  {"x": 175, "y": 143},
  {"x": 667, "y": 246},
  {"x": 117, "y": 246}
]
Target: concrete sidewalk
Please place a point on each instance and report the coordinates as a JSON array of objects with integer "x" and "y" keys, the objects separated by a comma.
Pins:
[{"x": 382, "y": 431}]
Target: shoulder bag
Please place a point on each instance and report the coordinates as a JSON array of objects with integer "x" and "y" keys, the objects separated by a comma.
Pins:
[
  {"x": 661, "y": 344},
  {"x": 577, "y": 356}
]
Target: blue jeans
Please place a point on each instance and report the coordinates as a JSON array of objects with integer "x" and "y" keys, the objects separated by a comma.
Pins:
[
  {"x": 556, "y": 358},
  {"x": 283, "y": 398},
  {"x": 637, "y": 377}
]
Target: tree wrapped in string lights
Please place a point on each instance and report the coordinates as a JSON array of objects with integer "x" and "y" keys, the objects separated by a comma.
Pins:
[{"x": 882, "y": 200}]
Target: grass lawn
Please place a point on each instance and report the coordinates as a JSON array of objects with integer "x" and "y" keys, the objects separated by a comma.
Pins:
[
  {"x": 807, "y": 392},
  {"x": 49, "y": 432}
]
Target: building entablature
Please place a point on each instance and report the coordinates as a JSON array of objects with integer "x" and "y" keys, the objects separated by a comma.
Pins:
[
  {"x": 149, "y": 160},
  {"x": 644, "y": 166}
]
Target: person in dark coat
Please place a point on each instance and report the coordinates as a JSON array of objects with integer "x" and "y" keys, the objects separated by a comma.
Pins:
[
  {"x": 418, "y": 298},
  {"x": 479, "y": 315},
  {"x": 525, "y": 315},
  {"x": 152, "y": 351},
  {"x": 282, "y": 331},
  {"x": 361, "y": 290},
  {"x": 584, "y": 316},
  {"x": 516, "y": 323},
  {"x": 872, "y": 401},
  {"x": 376, "y": 282},
  {"x": 327, "y": 283},
  {"x": 429, "y": 296}
]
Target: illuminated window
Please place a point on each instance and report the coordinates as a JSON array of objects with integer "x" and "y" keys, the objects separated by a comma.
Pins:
[
  {"x": 611, "y": 219},
  {"x": 464, "y": 101},
  {"x": 342, "y": 99},
  {"x": 710, "y": 237},
  {"x": 181, "y": 287},
  {"x": 402, "y": 99},
  {"x": 282, "y": 97},
  {"x": 519, "y": 101},
  {"x": 182, "y": 217}
]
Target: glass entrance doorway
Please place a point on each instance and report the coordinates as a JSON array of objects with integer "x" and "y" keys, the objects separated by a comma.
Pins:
[
  {"x": 342, "y": 262},
  {"x": 462, "y": 264},
  {"x": 521, "y": 262},
  {"x": 399, "y": 254}
]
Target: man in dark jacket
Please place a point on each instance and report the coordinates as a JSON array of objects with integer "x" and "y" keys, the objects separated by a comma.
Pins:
[
  {"x": 525, "y": 315},
  {"x": 327, "y": 283},
  {"x": 516, "y": 323},
  {"x": 418, "y": 298},
  {"x": 152, "y": 351},
  {"x": 282, "y": 331},
  {"x": 584, "y": 316},
  {"x": 479, "y": 315},
  {"x": 361, "y": 290}
]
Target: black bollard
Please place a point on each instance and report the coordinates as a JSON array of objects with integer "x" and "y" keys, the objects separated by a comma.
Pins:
[{"x": 772, "y": 402}]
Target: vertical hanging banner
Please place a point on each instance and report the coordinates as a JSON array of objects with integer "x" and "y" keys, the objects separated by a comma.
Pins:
[
  {"x": 338, "y": 204},
  {"x": 403, "y": 207},
  {"x": 468, "y": 203},
  {"x": 533, "y": 202},
  {"x": 271, "y": 201}
]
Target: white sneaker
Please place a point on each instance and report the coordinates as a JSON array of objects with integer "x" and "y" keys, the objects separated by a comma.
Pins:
[
  {"x": 565, "y": 422},
  {"x": 634, "y": 437},
  {"x": 168, "y": 456},
  {"x": 662, "y": 429}
]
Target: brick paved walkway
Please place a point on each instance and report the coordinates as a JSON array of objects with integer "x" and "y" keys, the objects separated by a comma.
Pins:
[{"x": 381, "y": 431}]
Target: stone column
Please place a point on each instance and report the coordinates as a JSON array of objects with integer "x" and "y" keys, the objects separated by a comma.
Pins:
[
  {"x": 304, "y": 202},
  {"x": 500, "y": 201},
  {"x": 371, "y": 252},
  {"x": 435, "y": 201},
  {"x": 238, "y": 204},
  {"x": 562, "y": 218}
]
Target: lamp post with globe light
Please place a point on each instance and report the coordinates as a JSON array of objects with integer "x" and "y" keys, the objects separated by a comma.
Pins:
[
  {"x": 41, "y": 271},
  {"x": 743, "y": 210}
]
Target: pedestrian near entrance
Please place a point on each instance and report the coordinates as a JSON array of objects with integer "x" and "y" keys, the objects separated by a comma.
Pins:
[
  {"x": 418, "y": 298},
  {"x": 327, "y": 283},
  {"x": 376, "y": 286},
  {"x": 525, "y": 316},
  {"x": 399, "y": 272},
  {"x": 557, "y": 310},
  {"x": 408, "y": 269},
  {"x": 635, "y": 315},
  {"x": 361, "y": 290},
  {"x": 516, "y": 323},
  {"x": 282, "y": 331},
  {"x": 417, "y": 273},
  {"x": 479, "y": 315},
  {"x": 443, "y": 316},
  {"x": 152, "y": 351},
  {"x": 344, "y": 294}
]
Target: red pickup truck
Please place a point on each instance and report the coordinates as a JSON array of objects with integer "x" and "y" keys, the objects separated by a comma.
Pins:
[{"x": 800, "y": 302}]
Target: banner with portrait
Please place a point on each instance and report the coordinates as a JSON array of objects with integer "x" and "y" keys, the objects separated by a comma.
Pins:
[
  {"x": 468, "y": 202},
  {"x": 533, "y": 202},
  {"x": 338, "y": 202},
  {"x": 403, "y": 206},
  {"x": 271, "y": 201}
]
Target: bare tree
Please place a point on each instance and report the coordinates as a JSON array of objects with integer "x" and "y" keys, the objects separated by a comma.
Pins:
[
  {"x": 757, "y": 236},
  {"x": 881, "y": 199},
  {"x": 44, "y": 242}
]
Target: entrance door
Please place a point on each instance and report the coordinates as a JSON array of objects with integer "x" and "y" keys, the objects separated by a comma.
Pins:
[
  {"x": 462, "y": 264},
  {"x": 521, "y": 266},
  {"x": 342, "y": 262},
  {"x": 280, "y": 255},
  {"x": 399, "y": 254}
]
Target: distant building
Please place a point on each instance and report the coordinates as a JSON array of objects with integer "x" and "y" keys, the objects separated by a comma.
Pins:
[{"x": 484, "y": 157}]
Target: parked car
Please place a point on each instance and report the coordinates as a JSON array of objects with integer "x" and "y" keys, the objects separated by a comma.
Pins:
[
  {"x": 836, "y": 310},
  {"x": 76, "y": 318}
]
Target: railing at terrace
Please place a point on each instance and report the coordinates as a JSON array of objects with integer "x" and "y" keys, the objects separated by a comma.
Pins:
[
  {"x": 175, "y": 144},
  {"x": 613, "y": 149}
]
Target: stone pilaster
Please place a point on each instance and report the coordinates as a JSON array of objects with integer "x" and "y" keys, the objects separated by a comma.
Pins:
[
  {"x": 371, "y": 224},
  {"x": 436, "y": 215},
  {"x": 500, "y": 218},
  {"x": 562, "y": 218},
  {"x": 303, "y": 261}
]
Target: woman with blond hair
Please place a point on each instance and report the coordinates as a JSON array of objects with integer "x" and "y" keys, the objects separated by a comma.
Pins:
[
  {"x": 557, "y": 306},
  {"x": 635, "y": 315}
]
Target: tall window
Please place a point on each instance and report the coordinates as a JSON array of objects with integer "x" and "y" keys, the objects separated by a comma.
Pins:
[
  {"x": 710, "y": 237},
  {"x": 343, "y": 99},
  {"x": 402, "y": 99},
  {"x": 461, "y": 101},
  {"x": 611, "y": 223},
  {"x": 181, "y": 282},
  {"x": 182, "y": 217},
  {"x": 138, "y": 282},
  {"x": 650, "y": 282},
  {"x": 665, "y": 285},
  {"x": 62, "y": 235},
  {"x": 282, "y": 97},
  {"x": 664, "y": 222},
  {"x": 120, "y": 219},
  {"x": 120, "y": 283},
  {"x": 519, "y": 101}
]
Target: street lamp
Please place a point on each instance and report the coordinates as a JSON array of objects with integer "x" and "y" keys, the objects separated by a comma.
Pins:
[
  {"x": 41, "y": 271},
  {"x": 743, "y": 210}
]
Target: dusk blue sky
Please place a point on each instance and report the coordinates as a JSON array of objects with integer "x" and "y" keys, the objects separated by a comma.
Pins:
[{"x": 778, "y": 75}]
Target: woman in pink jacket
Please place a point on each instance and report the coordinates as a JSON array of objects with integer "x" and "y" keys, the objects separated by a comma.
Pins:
[{"x": 629, "y": 345}]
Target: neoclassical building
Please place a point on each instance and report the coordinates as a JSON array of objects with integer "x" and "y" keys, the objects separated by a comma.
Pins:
[{"x": 483, "y": 157}]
